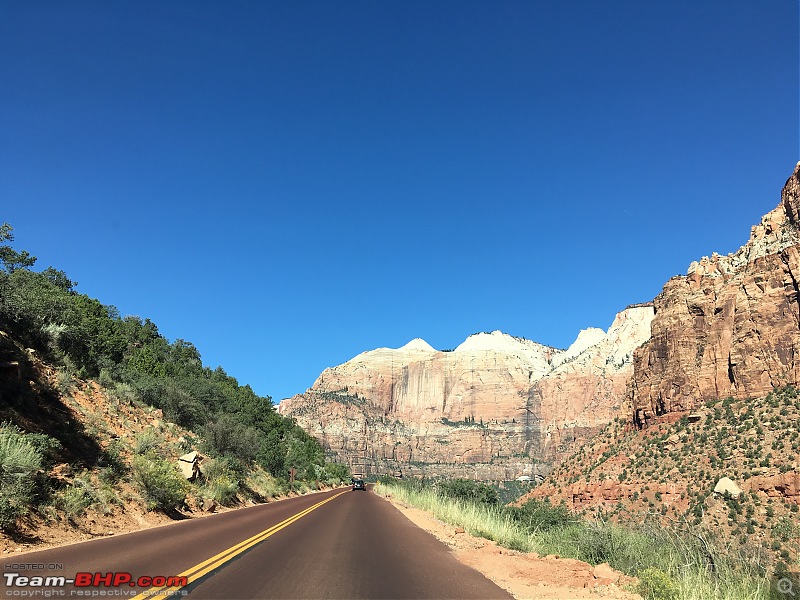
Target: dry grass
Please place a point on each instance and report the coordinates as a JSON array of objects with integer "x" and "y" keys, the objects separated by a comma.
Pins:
[{"x": 668, "y": 568}]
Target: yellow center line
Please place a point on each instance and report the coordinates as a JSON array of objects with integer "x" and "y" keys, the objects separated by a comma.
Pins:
[{"x": 196, "y": 572}]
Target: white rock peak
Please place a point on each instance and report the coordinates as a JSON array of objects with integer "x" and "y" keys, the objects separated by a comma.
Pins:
[
  {"x": 630, "y": 328},
  {"x": 496, "y": 341},
  {"x": 586, "y": 339},
  {"x": 614, "y": 347},
  {"x": 418, "y": 344}
]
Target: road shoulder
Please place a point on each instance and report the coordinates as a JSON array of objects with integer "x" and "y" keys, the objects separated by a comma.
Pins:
[{"x": 523, "y": 575}]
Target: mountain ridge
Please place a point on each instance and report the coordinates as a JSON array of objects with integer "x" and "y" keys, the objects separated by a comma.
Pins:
[{"x": 479, "y": 400}]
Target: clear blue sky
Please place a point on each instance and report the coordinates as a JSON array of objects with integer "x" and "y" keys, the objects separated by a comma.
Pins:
[{"x": 287, "y": 184}]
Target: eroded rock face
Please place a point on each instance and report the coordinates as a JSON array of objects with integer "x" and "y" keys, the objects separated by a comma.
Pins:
[
  {"x": 586, "y": 389},
  {"x": 730, "y": 326},
  {"x": 782, "y": 485},
  {"x": 496, "y": 407}
]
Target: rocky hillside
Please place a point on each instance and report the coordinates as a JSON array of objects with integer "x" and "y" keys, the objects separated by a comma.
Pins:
[
  {"x": 496, "y": 407},
  {"x": 86, "y": 439},
  {"x": 728, "y": 471},
  {"x": 730, "y": 326}
]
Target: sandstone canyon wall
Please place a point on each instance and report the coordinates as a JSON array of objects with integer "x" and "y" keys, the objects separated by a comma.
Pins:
[
  {"x": 496, "y": 407},
  {"x": 730, "y": 326}
]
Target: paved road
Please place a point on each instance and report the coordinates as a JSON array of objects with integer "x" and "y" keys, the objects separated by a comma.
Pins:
[{"x": 338, "y": 544}]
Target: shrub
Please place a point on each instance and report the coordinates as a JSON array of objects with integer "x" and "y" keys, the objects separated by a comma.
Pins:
[
  {"x": 468, "y": 490},
  {"x": 784, "y": 529},
  {"x": 654, "y": 584},
  {"x": 265, "y": 486},
  {"x": 221, "y": 482},
  {"x": 540, "y": 515},
  {"x": 161, "y": 485},
  {"x": 597, "y": 543},
  {"x": 783, "y": 582},
  {"x": 336, "y": 473},
  {"x": 147, "y": 440},
  {"x": 223, "y": 489},
  {"x": 104, "y": 496},
  {"x": 45, "y": 445},
  {"x": 124, "y": 393},
  {"x": 87, "y": 491},
  {"x": 19, "y": 463},
  {"x": 228, "y": 437},
  {"x": 74, "y": 499},
  {"x": 112, "y": 462}
]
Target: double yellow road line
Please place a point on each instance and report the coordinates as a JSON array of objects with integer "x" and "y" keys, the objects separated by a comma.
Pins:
[{"x": 196, "y": 572}]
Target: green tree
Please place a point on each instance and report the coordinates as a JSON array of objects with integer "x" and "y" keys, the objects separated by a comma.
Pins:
[
  {"x": 10, "y": 260},
  {"x": 272, "y": 455},
  {"x": 33, "y": 308},
  {"x": 59, "y": 279},
  {"x": 540, "y": 515},
  {"x": 226, "y": 436},
  {"x": 303, "y": 453}
]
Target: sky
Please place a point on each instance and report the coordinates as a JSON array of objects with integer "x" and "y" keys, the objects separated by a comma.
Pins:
[{"x": 288, "y": 184}]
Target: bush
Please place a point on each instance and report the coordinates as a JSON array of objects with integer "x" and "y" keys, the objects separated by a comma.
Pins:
[
  {"x": 783, "y": 581},
  {"x": 45, "y": 445},
  {"x": 223, "y": 489},
  {"x": 228, "y": 437},
  {"x": 104, "y": 496},
  {"x": 335, "y": 473},
  {"x": 222, "y": 484},
  {"x": 264, "y": 485},
  {"x": 85, "y": 492},
  {"x": 112, "y": 462},
  {"x": 161, "y": 485},
  {"x": 468, "y": 490},
  {"x": 74, "y": 500},
  {"x": 540, "y": 515},
  {"x": 147, "y": 440},
  {"x": 20, "y": 462},
  {"x": 654, "y": 584},
  {"x": 598, "y": 543}
]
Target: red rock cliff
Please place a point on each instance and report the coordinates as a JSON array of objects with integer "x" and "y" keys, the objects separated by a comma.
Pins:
[{"x": 731, "y": 326}]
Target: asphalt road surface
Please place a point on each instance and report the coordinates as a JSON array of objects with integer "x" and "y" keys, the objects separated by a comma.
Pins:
[{"x": 337, "y": 544}]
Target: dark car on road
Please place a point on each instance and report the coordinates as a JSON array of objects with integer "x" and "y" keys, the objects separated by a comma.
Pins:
[{"x": 358, "y": 484}]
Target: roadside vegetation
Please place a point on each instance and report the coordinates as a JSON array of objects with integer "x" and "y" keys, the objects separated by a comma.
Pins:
[
  {"x": 95, "y": 409},
  {"x": 669, "y": 563}
]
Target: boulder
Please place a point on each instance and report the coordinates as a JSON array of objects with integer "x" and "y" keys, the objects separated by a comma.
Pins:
[
  {"x": 189, "y": 465},
  {"x": 727, "y": 485}
]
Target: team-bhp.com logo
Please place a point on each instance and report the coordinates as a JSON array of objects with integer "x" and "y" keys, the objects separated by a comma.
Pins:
[{"x": 30, "y": 586}]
